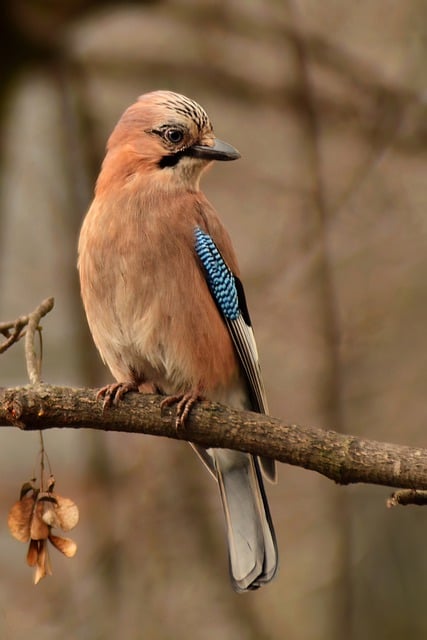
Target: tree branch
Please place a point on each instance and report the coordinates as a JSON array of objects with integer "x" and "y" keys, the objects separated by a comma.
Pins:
[{"x": 343, "y": 458}]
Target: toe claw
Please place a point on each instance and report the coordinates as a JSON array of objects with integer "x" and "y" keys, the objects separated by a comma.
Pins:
[
  {"x": 184, "y": 403},
  {"x": 112, "y": 394}
]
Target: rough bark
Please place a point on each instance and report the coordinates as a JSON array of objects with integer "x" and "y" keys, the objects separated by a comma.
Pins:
[{"x": 343, "y": 458}]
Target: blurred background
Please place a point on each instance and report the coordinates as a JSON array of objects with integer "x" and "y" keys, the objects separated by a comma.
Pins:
[{"x": 328, "y": 212}]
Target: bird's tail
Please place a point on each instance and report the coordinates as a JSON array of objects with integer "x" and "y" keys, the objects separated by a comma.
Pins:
[{"x": 251, "y": 540}]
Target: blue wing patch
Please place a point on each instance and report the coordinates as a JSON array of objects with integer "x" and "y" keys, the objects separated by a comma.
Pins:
[
  {"x": 220, "y": 279},
  {"x": 227, "y": 291}
]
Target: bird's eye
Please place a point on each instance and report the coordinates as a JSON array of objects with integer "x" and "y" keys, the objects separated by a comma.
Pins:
[{"x": 174, "y": 135}]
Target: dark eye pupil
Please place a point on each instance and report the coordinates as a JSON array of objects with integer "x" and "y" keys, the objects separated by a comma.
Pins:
[{"x": 174, "y": 135}]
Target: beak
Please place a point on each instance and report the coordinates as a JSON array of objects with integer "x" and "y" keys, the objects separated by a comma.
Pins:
[{"x": 218, "y": 151}]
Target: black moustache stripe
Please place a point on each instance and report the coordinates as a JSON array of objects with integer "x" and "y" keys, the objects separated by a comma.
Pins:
[{"x": 173, "y": 159}]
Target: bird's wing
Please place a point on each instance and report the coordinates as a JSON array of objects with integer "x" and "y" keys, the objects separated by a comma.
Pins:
[{"x": 229, "y": 296}]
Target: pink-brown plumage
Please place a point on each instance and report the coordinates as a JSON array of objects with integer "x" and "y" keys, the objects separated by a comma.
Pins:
[
  {"x": 139, "y": 307},
  {"x": 151, "y": 312}
]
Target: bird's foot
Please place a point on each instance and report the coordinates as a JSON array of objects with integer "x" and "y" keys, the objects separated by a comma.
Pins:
[
  {"x": 113, "y": 393},
  {"x": 184, "y": 402}
]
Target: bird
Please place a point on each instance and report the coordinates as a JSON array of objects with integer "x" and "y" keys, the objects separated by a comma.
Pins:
[{"x": 164, "y": 301}]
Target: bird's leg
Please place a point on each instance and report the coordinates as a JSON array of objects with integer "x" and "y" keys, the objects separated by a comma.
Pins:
[
  {"x": 113, "y": 393},
  {"x": 184, "y": 402},
  {"x": 148, "y": 387}
]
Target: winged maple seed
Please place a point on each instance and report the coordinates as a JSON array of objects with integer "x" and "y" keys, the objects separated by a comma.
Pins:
[{"x": 32, "y": 519}]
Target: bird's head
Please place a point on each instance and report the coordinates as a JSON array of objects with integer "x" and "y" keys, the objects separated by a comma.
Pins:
[{"x": 164, "y": 138}]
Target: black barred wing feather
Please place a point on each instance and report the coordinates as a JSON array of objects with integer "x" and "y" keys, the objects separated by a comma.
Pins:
[{"x": 228, "y": 293}]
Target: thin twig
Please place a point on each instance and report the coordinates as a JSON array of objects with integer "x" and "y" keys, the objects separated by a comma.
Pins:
[
  {"x": 13, "y": 332},
  {"x": 33, "y": 362},
  {"x": 404, "y": 497}
]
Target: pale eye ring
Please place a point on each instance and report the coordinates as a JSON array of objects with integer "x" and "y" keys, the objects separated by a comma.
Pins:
[{"x": 174, "y": 135}]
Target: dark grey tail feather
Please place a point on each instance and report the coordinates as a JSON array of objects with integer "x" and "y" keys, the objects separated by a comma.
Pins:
[{"x": 250, "y": 534}]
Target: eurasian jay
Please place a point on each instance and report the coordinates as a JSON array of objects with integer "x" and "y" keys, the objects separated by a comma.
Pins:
[{"x": 161, "y": 288}]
